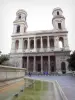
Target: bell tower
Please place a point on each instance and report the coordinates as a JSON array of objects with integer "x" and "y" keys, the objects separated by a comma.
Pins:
[
  {"x": 58, "y": 19},
  {"x": 20, "y": 24}
]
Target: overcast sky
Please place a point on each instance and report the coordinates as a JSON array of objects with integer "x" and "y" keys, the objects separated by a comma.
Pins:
[{"x": 39, "y": 18}]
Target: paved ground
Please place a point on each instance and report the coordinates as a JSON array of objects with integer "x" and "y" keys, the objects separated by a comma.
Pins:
[
  {"x": 66, "y": 82},
  {"x": 6, "y": 92}
]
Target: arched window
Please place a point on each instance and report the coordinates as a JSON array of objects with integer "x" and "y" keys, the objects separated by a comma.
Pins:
[
  {"x": 19, "y": 16},
  {"x": 32, "y": 44},
  {"x": 57, "y": 12},
  {"x": 17, "y": 44},
  {"x": 38, "y": 43},
  {"x": 44, "y": 43},
  {"x": 61, "y": 42},
  {"x": 51, "y": 43},
  {"x": 18, "y": 28},
  {"x": 25, "y": 44},
  {"x": 59, "y": 26}
]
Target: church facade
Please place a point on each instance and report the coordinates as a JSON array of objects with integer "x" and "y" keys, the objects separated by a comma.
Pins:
[{"x": 40, "y": 51}]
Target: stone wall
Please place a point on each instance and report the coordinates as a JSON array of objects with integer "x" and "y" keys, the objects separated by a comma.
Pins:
[{"x": 11, "y": 73}]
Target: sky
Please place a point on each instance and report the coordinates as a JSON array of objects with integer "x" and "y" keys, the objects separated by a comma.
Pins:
[{"x": 39, "y": 18}]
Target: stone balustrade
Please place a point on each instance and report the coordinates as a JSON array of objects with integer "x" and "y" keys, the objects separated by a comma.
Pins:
[{"x": 10, "y": 73}]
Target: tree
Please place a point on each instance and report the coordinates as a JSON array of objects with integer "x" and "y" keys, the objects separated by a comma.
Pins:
[
  {"x": 71, "y": 61},
  {"x": 3, "y": 58},
  {"x": 0, "y": 52}
]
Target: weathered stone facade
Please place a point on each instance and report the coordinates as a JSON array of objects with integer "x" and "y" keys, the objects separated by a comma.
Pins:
[{"x": 39, "y": 51}]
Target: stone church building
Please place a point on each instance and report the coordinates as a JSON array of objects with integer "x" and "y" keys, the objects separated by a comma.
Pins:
[{"x": 40, "y": 51}]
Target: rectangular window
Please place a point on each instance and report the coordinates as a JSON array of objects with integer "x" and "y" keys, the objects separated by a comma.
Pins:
[{"x": 59, "y": 25}]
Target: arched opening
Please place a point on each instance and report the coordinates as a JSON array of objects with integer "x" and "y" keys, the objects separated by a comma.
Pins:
[
  {"x": 39, "y": 68},
  {"x": 25, "y": 44},
  {"x": 44, "y": 43},
  {"x": 18, "y": 29},
  {"x": 45, "y": 63},
  {"x": 52, "y": 63},
  {"x": 61, "y": 42},
  {"x": 31, "y": 44},
  {"x": 63, "y": 67},
  {"x": 59, "y": 26},
  {"x": 17, "y": 44},
  {"x": 38, "y": 64},
  {"x": 57, "y": 12},
  {"x": 31, "y": 64},
  {"x": 38, "y": 43},
  {"x": 51, "y": 43},
  {"x": 19, "y": 17}
]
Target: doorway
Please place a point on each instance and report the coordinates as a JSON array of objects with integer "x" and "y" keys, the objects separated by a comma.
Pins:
[
  {"x": 63, "y": 67},
  {"x": 39, "y": 67}
]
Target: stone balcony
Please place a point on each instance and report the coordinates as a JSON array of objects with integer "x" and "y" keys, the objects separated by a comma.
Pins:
[{"x": 44, "y": 50}]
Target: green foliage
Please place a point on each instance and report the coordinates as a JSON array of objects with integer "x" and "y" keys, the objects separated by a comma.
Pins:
[
  {"x": 3, "y": 58},
  {"x": 71, "y": 61}
]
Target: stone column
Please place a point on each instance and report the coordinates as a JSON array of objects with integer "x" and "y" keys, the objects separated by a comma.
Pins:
[
  {"x": 34, "y": 68},
  {"x": 34, "y": 44},
  {"x": 41, "y": 64},
  {"x": 41, "y": 44},
  {"x": 27, "y": 63},
  {"x": 28, "y": 44},
  {"x": 48, "y": 64},
  {"x": 48, "y": 44}
]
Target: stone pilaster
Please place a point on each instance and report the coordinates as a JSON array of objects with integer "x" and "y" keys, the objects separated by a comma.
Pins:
[
  {"x": 20, "y": 49},
  {"x": 56, "y": 43},
  {"x": 13, "y": 48},
  {"x": 66, "y": 42}
]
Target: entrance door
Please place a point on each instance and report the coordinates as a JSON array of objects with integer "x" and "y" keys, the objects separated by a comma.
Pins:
[
  {"x": 39, "y": 67},
  {"x": 52, "y": 63},
  {"x": 52, "y": 66},
  {"x": 63, "y": 67}
]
